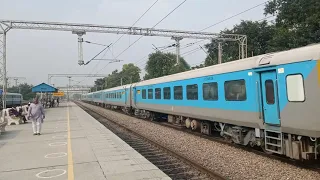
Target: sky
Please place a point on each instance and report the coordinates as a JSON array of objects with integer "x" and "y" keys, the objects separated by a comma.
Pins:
[{"x": 34, "y": 54}]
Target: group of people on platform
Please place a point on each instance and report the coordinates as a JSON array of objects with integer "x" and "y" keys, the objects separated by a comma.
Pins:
[
  {"x": 35, "y": 113},
  {"x": 18, "y": 113},
  {"x": 50, "y": 102}
]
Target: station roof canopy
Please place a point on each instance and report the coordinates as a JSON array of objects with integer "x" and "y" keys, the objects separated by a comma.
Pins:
[{"x": 43, "y": 87}]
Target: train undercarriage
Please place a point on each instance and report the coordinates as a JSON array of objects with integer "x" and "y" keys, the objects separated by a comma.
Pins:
[
  {"x": 271, "y": 142},
  {"x": 290, "y": 145}
]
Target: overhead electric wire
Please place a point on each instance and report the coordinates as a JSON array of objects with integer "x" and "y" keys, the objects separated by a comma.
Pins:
[
  {"x": 234, "y": 15},
  {"x": 121, "y": 36},
  {"x": 108, "y": 47},
  {"x": 191, "y": 44},
  {"x": 190, "y": 52},
  {"x": 89, "y": 42},
  {"x": 208, "y": 54},
  {"x": 196, "y": 42},
  {"x": 151, "y": 28},
  {"x": 265, "y": 18},
  {"x": 137, "y": 20},
  {"x": 169, "y": 13},
  {"x": 98, "y": 54}
]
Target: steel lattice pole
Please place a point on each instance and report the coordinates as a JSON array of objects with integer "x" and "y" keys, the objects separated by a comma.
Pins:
[
  {"x": 4, "y": 69},
  {"x": 1, "y": 59}
]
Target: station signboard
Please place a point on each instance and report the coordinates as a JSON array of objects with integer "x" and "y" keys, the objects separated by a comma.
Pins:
[{"x": 58, "y": 94}]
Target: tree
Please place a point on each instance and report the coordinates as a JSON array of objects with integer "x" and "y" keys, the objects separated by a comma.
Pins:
[
  {"x": 297, "y": 23},
  {"x": 258, "y": 34},
  {"x": 128, "y": 74},
  {"x": 198, "y": 66},
  {"x": 25, "y": 89},
  {"x": 162, "y": 64}
]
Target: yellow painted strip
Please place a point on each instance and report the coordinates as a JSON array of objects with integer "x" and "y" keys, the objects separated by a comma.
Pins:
[
  {"x": 318, "y": 68},
  {"x": 70, "y": 159}
]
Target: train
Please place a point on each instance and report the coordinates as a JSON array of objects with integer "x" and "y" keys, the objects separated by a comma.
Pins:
[
  {"x": 14, "y": 99},
  {"x": 270, "y": 101}
]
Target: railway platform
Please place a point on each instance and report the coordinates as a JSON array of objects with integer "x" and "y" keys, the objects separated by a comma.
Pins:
[{"x": 72, "y": 146}]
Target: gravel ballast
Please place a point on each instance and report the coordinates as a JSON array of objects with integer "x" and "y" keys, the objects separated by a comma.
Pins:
[{"x": 231, "y": 162}]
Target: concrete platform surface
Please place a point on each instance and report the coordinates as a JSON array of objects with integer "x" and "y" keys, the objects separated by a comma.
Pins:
[{"x": 72, "y": 146}]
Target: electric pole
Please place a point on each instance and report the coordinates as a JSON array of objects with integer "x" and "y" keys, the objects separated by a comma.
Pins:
[
  {"x": 177, "y": 39},
  {"x": 16, "y": 79},
  {"x": 69, "y": 88},
  {"x": 219, "y": 53},
  {"x": 106, "y": 83}
]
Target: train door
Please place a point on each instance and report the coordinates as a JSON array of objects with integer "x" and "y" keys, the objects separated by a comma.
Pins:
[
  {"x": 270, "y": 96},
  {"x": 132, "y": 95},
  {"x": 124, "y": 93}
]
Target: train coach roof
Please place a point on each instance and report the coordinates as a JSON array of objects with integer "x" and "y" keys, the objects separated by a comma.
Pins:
[
  {"x": 111, "y": 89},
  {"x": 311, "y": 52},
  {"x": 8, "y": 93},
  {"x": 115, "y": 88}
]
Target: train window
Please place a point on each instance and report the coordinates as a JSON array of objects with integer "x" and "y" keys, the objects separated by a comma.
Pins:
[
  {"x": 144, "y": 94},
  {"x": 269, "y": 91},
  {"x": 235, "y": 90},
  {"x": 150, "y": 93},
  {"x": 192, "y": 92},
  {"x": 158, "y": 93},
  {"x": 178, "y": 95},
  {"x": 295, "y": 88},
  {"x": 166, "y": 93},
  {"x": 210, "y": 91},
  {"x": 120, "y": 95}
]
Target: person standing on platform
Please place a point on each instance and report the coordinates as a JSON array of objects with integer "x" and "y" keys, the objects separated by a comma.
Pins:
[
  {"x": 36, "y": 114},
  {"x": 58, "y": 102}
]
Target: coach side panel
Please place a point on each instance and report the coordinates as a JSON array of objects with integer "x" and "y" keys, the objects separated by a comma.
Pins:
[
  {"x": 300, "y": 99},
  {"x": 227, "y": 106}
]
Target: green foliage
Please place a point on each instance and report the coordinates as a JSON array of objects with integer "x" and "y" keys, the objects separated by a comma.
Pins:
[
  {"x": 129, "y": 74},
  {"x": 297, "y": 23},
  {"x": 162, "y": 64},
  {"x": 198, "y": 66},
  {"x": 25, "y": 90},
  {"x": 258, "y": 35}
]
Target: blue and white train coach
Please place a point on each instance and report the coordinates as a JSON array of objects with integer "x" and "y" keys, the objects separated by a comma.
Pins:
[{"x": 269, "y": 100}]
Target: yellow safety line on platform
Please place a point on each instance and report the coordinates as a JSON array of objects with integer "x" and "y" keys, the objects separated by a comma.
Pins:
[{"x": 70, "y": 159}]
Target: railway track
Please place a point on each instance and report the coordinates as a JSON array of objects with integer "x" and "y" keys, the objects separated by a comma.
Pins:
[
  {"x": 310, "y": 165},
  {"x": 173, "y": 164}
]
